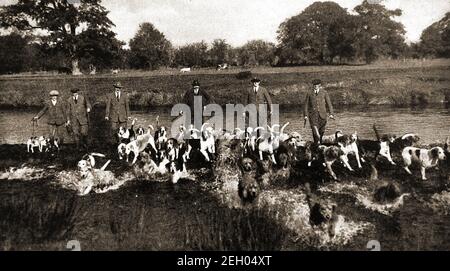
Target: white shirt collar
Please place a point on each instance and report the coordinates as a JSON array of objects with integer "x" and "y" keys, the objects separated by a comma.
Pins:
[{"x": 54, "y": 102}]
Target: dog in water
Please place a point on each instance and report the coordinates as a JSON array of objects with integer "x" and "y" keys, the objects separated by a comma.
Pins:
[
  {"x": 425, "y": 158},
  {"x": 89, "y": 175},
  {"x": 248, "y": 187}
]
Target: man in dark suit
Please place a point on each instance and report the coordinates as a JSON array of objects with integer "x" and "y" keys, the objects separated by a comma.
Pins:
[
  {"x": 78, "y": 109},
  {"x": 317, "y": 102},
  {"x": 258, "y": 95},
  {"x": 57, "y": 117},
  {"x": 117, "y": 109},
  {"x": 189, "y": 98}
]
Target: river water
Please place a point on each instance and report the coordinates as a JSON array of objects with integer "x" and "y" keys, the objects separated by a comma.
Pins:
[{"x": 431, "y": 123}]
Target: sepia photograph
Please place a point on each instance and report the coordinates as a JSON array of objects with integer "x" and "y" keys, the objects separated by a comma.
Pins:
[{"x": 250, "y": 126}]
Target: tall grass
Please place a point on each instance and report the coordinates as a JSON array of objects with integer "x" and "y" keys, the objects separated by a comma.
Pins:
[{"x": 37, "y": 215}]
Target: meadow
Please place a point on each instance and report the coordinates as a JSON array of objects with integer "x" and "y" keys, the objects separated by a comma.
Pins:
[{"x": 397, "y": 83}]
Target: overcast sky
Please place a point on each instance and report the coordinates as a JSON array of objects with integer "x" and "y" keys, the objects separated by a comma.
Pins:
[{"x": 237, "y": 21}]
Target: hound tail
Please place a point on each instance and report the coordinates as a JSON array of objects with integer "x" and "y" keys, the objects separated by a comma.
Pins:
[
  {"x": 98, "y": 155},
  {"x": 377, "y": 134},
  {"x": 284, "y": 127},
  {"x": 106, "y": 165}
]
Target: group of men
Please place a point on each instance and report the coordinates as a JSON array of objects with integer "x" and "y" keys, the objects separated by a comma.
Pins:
[{"x": 74, "y": 114}]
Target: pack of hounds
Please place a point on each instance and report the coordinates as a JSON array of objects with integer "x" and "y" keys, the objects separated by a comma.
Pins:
[{"x": 263, "y": 149}]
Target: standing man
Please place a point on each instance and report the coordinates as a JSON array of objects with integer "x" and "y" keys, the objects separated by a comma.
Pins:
[
  {"x": 56, "y": 116},
  {"x": 258, "y": 95},
  {"x": 317, "y": 102},
  {"x": 117, "y": 110},
  {"x": 79, "y": 108},
  {"x": 189, "y": 98}
]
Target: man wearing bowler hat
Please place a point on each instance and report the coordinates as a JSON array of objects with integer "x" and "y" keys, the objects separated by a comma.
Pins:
[
  {"x": 56, "y": 118},
  {"x": 78, "y": 110},
  {"x": 117, "y": 109},
  {"x": 317, "y": 107},
  {"x": 189, "y": 98},
  {"x": 258, "y": 95}
]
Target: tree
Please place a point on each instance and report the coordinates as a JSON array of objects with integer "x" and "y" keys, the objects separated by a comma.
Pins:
[
  {"x": 193, "y": 54},
  {"x": 13, "y": 50},
  {"x": 73, "y": 27},
  {"x": 435, "y": 39},
  {"x": 256, "y": 52},
  {"x": 377, "y": 34},
  {"x": 323, "y": 31},
  {"x": 149, "y": 49},
  {"x": 219, "y": 52}
]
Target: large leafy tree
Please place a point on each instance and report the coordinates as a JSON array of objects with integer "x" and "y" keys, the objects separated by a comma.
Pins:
[
  {"x": 219, "y": 52},
  {"x": 13, "y": 50},
  {"x": 435, "y": 39},
  {"x": 317, "y": 35},
  {"x": 193, "y": 54},
  {"x": 256, "y": 52},
  {"x": 149, "y": 49},
  {"x": 75, "y": 27},
  {"x": 377, "y": 33}
]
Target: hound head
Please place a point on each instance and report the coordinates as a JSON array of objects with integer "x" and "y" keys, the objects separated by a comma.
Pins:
[
  {"x": 249, "y": 130},
  {"x": 85, "y": 165},
  {"x": 171, "y": 144},
  {"x": 344, "y": 140},
  {"x": 140, "y": 130},
  {"x": 338, "y": 134},
  {"x": 354, "y": 137},
  {"x": 332, "y": 152},
  {"x": 162, "y": 131},
  {"x": 388, "y": 138},
  {"x": 264, "y": 166},
  {"x": 283, "y": 160},
  {"x": 327, "y": 209},
  {"x": 248, "y": 165},
  {"x": 121, "y": 149},
  {"x": 122, "y": 131},
  {"x": 438, "y": 153},
  {"x": 129, "y": 148}
]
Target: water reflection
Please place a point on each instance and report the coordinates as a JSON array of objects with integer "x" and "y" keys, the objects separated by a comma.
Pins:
[{"x": 431, "y": 123}]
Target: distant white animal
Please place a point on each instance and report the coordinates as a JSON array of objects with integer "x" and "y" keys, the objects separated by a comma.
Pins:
[
  {"x": 223, "y": 66},
  {"x": 115, "y": 71},
  {"x": 184, "y": 70}
]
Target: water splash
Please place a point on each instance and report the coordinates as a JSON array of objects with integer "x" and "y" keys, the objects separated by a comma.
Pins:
[
  {"x": 23, "y": 173},
  {"x": 364, "y": 197},
  {"x": 440, "y": 203}
]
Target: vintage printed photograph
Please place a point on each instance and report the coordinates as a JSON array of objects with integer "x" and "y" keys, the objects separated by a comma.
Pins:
[{"x": 224, "y": 125}]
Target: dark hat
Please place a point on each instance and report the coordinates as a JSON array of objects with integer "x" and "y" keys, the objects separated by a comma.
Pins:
[
  {"x": 118, "y": 85},
  {"x": 256, "y": 80},
  {"x": 75, "y": 90},
  {"x": 195, "y": 83},
  {"x": 54, "y": 93},
  {"x": 316, "y": 82}
]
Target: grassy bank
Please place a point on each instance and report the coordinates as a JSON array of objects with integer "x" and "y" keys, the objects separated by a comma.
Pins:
[{"x": 397, "y": 83}]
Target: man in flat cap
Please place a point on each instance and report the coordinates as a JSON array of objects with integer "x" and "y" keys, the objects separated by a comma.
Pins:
[
  {"x": 317, "y": 107},
  {"x": 78, "y": 110},
  {"x": 117, "y": 110},
  {"x": 258, "y": 95},
  {"x": 56, "y": 119},
  {"x": 189, "y": 98}
]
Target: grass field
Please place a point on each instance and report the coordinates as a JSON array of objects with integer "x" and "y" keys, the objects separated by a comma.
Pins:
[{"x": 398, "y": 83}]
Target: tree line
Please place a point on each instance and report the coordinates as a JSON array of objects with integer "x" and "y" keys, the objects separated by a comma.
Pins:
[{"x": 79, "y": 36}]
